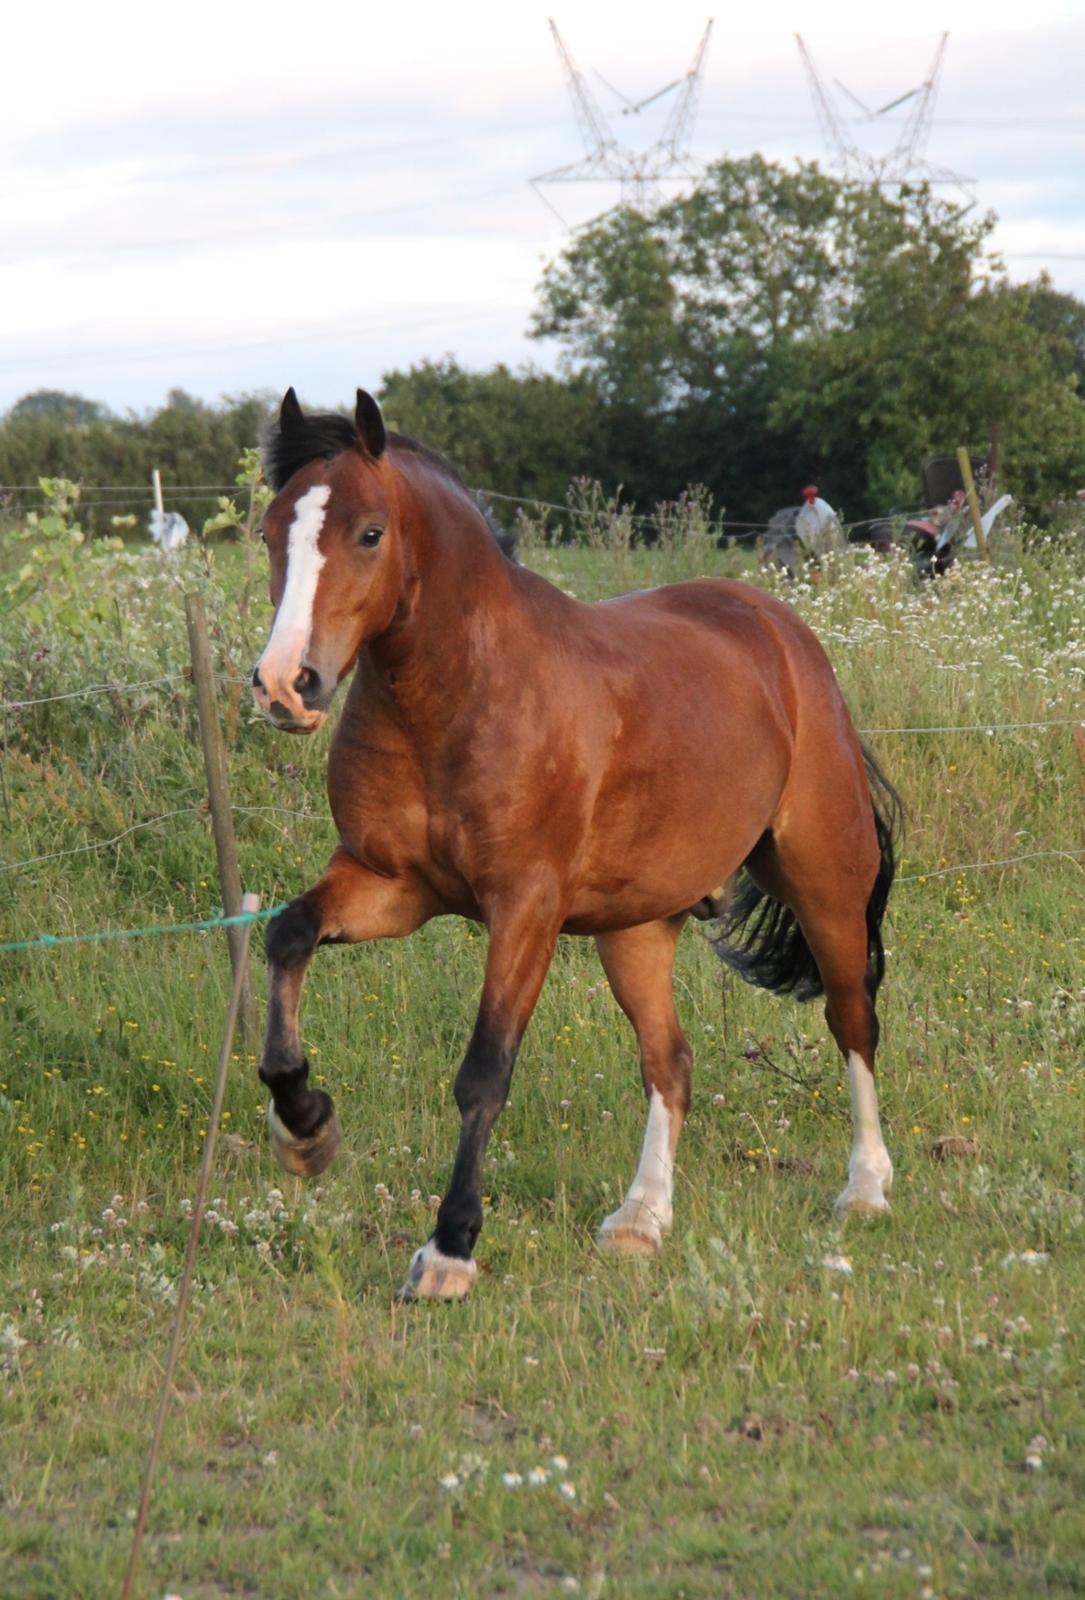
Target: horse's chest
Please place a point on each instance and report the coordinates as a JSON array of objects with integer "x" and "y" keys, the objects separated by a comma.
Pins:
[
  {"x": 387, "y": 817},
  {"x": 378, "y": 805}
]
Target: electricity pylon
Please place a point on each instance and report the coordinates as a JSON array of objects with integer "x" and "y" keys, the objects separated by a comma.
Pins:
[
  {"x": 638, "y": 173},
  {"x": 907, "y": 159}
]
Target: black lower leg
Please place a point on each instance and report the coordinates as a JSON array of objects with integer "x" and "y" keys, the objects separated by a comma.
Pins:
[
  {"x": 482, "y": 1087},
  {"x": 291, "y": 939}
]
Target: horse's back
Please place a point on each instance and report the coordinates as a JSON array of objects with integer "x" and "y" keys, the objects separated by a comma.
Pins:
[
  {"x": 751, "y": 645},
  {"x": 716, "y": 603}
]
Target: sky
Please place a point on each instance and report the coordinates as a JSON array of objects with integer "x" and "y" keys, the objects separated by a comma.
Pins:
[{"x": 228, "y": 197}]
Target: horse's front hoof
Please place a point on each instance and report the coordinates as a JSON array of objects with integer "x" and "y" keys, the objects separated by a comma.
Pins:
[
  {"x": 305, "y": 1158},
  {"x": 632, "y": 1231},
  {"x": 433, "y": 1276}
]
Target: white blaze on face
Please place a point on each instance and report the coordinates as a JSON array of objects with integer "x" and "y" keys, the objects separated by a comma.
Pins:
[{"x": 294, "y": 619}]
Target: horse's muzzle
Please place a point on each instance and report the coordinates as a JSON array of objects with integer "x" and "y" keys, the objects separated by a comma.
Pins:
[
  {"x": 294, "y": 709},
  {"x": 280, "y": 717}
]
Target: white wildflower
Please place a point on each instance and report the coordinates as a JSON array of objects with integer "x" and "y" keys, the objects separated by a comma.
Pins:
[{"x": 1028, "y": 1258}]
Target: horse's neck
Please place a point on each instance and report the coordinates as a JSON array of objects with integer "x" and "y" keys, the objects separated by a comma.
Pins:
[{"x": 458, "y": 601}]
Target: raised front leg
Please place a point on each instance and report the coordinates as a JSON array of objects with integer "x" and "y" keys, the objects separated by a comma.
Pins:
[
  {"x": 639, "y": 964},
  {"x": 522, "y": 940},
  {"x": 349, "y": 904}
]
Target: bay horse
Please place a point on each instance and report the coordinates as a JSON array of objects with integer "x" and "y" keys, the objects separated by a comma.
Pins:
[{"x": 511, "y": 755}]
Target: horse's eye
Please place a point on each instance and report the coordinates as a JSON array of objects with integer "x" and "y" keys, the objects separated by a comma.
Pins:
[{"x": 371, "y": 538}]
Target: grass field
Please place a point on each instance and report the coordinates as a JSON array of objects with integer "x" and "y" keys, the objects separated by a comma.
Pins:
[{"x": 778, "y": 1406}]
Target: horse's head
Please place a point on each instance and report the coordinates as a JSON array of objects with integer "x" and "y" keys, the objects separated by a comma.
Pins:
[{"x": 336, "y": 557}]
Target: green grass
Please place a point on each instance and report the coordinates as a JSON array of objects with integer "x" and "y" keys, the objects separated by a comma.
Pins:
[{"x": 737, "y": 1418}]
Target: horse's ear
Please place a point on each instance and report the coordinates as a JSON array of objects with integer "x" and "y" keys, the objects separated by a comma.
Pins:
[
  {"x": 370, "y": 424},
  {"x": 290, "y": 412}
]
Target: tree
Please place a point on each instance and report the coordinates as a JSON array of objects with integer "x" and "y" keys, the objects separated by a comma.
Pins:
[
  {"x": 781, "y": 324},
  {"x": 611, "y": 300},
  {"x": 58, "y": 406},
  {"x": 523, "y": 433},
  {"x": 1062, "y": 318},
  {"x": 928, "y": 347},
  {"x": 190, "y": 442}
]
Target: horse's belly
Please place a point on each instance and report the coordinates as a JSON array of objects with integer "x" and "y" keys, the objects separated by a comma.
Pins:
[
  {"x": 645, "y": 891},
  {"x": 673, "y": 831}
]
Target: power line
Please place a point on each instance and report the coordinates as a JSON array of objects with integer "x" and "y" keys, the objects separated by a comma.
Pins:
[
  {"x": 351, "y": 226},
  {"x": 440, "y": 316}
]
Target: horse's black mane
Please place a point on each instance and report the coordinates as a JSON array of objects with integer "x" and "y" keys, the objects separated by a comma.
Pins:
[{"x": 320, "y": 435}]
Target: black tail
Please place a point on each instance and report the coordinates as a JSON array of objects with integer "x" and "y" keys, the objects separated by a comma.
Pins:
[
  {"x": 888, "y": 822},
  {"x": 761, "y": 939}
]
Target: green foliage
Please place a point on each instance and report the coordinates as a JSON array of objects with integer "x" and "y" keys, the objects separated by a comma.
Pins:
[
  {"x": 612, "y": 299},
  {"x": 43, "y": 559},
  {"x": 229, "y": 516},
  {"x": 521, "y": 433},
  {"x": 929, "y": 352},
  {"x": 779, "y": 325},
  {"x": 1062, "y": 318},
  {"x": 73, "y": 409},
  {"x": 190, "y": 443}
]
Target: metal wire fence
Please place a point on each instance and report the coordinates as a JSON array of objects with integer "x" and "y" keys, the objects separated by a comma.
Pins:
[
  {"x": 16, "y": 706},
  {"x": 133, "y": 497}
]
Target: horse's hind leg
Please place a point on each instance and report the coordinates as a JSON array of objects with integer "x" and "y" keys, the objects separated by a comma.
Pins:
[
  {"x": 349, "y": 904},
  {"x": 639, "y": 964},
  {"x": 828, "y": 893},
  {"x": 851, "y": 1015}
]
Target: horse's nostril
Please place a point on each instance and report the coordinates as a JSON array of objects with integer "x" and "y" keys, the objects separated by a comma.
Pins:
[
  {"x": 307, "y": 684},
  {"x": 256, "y": 679}
]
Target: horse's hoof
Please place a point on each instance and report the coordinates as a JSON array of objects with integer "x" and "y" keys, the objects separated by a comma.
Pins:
[
  {"x": 433, "y": 1276},
  {"x": 632, "y": 1232},
  {"x": 305, "y": 1158},
  {"x": 862, "y": 1200}
]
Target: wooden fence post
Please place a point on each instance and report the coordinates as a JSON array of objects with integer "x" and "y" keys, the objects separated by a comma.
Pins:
[
  {"x": 156, "y": 487},
  {"x": 218, "y": 794},
  {"x": 973, "y": 500}
]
